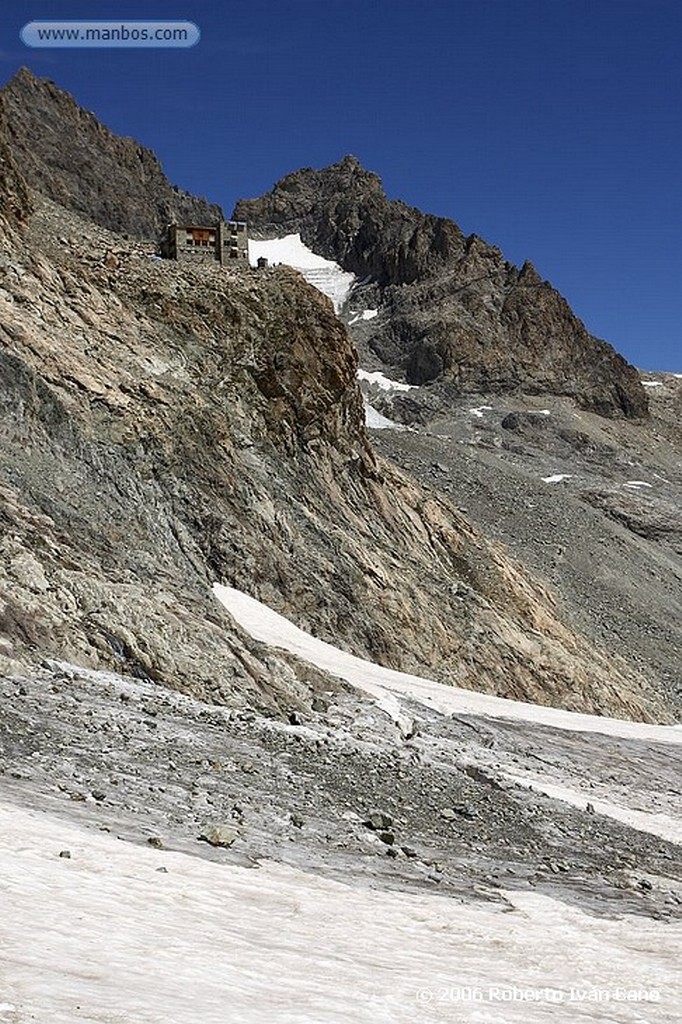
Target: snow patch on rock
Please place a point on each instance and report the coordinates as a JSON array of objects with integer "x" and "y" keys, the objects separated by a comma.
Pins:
[
  {"x": 375, "y": 421},
  {"x": 383, "y": 382},
  {"x": 325, "y": 275},
  {"x": 366, "y": 314}
]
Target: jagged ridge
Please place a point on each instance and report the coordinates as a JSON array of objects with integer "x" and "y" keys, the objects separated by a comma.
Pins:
[{"x": 455, "y": 308}]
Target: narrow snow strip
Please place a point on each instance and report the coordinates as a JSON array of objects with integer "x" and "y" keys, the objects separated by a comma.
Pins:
[
  {"x": 269, "y": 627},
  {"x": 376, "y": 421},
  {"x": 655, "y": 824},
  {"x": 104, "y": 937},
  {"x": 557, "y": 478},
  {"x": 480, "y": 410},
  {"x": 385, "y": 383},
  {"x": 652, "y": 383},
  {"x": 678, "y": 375},
  {"x": 325, "y": 275},
  {"x": 637, "y": 483}
]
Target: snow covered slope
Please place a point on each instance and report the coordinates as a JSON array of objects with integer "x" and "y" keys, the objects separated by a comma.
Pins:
[
  {"x": 325, "y": 275},
  {"x": 124, "y": 934}
]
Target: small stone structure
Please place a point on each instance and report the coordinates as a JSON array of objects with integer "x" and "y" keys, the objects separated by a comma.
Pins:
[{"x": 225, "y": 242}]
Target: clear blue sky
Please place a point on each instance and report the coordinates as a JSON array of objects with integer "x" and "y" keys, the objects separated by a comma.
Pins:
[{"x": 551, "y": 128}]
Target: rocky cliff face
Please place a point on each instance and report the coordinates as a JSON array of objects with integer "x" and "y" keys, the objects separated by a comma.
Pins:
[
  {"x": 69, "y": 156},
  {"x": 16, "y": 199},
  {"x": 167, "y": 426},
  {"x": 455, "y": 309}
]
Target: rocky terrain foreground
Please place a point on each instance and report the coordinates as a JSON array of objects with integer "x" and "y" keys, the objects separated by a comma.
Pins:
[
  {"x": 477, "y": 505},
  {"x": 458, "y": 807}
]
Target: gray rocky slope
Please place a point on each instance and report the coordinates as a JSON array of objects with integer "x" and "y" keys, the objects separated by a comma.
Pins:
[
  {"x": 163, "y": 427},
  {"x": 590, "y": 505}
]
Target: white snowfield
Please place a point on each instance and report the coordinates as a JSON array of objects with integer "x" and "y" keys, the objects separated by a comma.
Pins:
[
  {"x": 105, "y": 938},
  {"x": 556, "y": 478},
  {"x": 479, "y": 410},
  {"x": 387, "y": 685},
  {"x": 326, "y": 275},
  {"x": 652, "y": 383}
]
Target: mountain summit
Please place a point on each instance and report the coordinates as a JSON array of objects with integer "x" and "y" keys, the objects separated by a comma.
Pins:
[{"x": 455, "y": 309}]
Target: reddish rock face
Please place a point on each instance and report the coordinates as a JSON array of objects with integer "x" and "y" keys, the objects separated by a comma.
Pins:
[{"x": 455, "y": 308}]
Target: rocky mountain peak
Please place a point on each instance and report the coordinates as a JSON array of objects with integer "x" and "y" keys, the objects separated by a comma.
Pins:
[
  {"x": 69, "y": 156},
  {"x": 342, "y": 212},
  {"x": 453, "y": 308}
]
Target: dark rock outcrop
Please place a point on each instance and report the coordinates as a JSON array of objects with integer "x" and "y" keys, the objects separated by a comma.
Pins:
[
  {"x": 64, "y": 152},
  {"x": 343, "y": 213},
  {"x": 455, "y": 308},
  {"x": 15, "y": 199}
]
